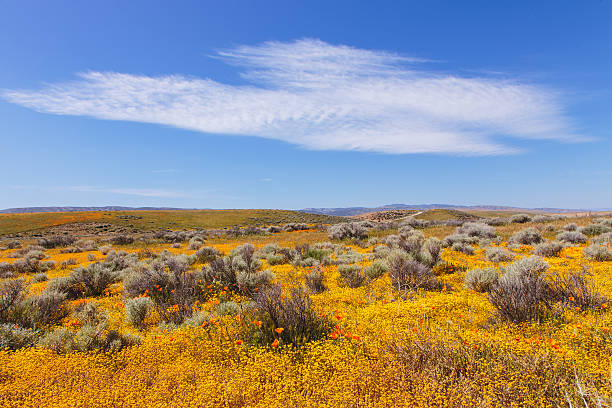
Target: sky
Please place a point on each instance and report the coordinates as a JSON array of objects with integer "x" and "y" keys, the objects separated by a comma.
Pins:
[{"x": 276, "y": 104}]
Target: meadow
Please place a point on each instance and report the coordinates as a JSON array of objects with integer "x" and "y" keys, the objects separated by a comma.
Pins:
[{"x": 259, "y": 308}]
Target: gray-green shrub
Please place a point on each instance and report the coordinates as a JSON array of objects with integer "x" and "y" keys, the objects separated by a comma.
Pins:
[
  {"x": 347, "y": 230},
  {"x": 88, "y": 281},
  {"x": 605, "y": 238},
  {"x": 376, "y": 269},
  {"x": 94, "y": 334},
  {"x": 522, "y": 294},
  {"x": 293, "y": 313},
  {"x": 207, "y": 254},
  {"x": 520, "y": 218},
  {"x": 407, "y": 274},
  {"x": 477, "y": 229},
  {"x": 595, "y": 229},
  {"x": 548, "y": 249},
  {"x": 351, "y": 276},
  {"x": 229, "y": 308},
  {"x": 463, "y": 247},
  {"x": 572, "y": 237},
  {"x": 528, "y": 236},
  {"x": 137, "y": 310},
  {"x": 498, "y": 254},
  {"x": 314, "y": 281},
  {"x": 598, "y": 252},
  {"x": 481, "y": 280},
  {"x": 13, "y": 337}
]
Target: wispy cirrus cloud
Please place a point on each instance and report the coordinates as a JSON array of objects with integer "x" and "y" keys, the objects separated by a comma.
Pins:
[
  {"x": 140, "y": 192},
  {"x": 162, "y": 171},
  {"x": 327, "y": 97}
]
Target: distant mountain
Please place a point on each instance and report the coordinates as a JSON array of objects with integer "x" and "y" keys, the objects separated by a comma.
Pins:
[
  {"x": 72, "y": 209},
  {"x": 339, "y": 211},
  {"x": 351, "y": 211}
]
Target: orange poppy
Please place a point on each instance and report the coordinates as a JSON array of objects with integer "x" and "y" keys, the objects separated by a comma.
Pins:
[
  {"x": 275, "y": 343},
  {"x": 238, "y": 342},
  {"x": 279, "y": 330}
]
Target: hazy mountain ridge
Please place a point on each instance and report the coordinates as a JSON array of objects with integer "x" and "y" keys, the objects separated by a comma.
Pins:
[
  {"x": 73, "y": 209},
  {"x": 337, "y": 211},
  {"x": 350, "y": 211}
]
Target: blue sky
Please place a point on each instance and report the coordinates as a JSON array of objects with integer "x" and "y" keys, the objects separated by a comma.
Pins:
[{"x": 276, "y": 104}]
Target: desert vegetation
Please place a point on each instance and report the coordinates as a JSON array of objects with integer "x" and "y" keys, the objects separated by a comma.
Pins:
[{"x": 488, "y": 310}]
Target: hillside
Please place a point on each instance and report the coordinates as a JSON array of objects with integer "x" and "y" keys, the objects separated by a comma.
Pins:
[{"x": 137, "y": 221}]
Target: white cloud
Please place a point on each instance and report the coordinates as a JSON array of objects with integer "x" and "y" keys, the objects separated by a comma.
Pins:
[{"x": 322, "y": 96}]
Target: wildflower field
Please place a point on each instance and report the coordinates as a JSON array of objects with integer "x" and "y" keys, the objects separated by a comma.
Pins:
[{"x": 497, "y": 311}]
